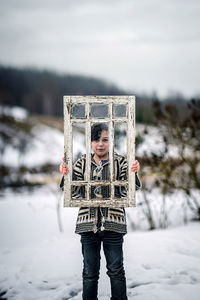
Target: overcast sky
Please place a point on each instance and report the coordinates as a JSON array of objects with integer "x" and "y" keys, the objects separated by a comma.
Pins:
[{"x": 142, "y": 45}]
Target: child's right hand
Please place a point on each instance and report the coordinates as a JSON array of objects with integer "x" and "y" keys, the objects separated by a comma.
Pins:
[{"x": 63, "y": 168}]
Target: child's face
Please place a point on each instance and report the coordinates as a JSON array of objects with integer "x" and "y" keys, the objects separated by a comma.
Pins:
[{"x": 101, "y": 146}]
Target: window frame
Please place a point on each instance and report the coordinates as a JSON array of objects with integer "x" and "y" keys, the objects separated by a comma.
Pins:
[{"x": 129, "y": 119}]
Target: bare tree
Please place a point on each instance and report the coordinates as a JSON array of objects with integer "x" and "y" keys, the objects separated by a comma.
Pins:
[{"x": 182, "y": 131}]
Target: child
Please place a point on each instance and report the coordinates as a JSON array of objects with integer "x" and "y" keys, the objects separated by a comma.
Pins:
[{"x": 106, "y": 225}]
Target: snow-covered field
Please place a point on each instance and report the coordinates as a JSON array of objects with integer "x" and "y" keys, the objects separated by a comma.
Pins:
[
  {"x": 47, "y": 146},
  {"x": 39, "y": 262}
]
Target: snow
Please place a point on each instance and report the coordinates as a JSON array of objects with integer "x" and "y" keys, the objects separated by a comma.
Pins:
[
  {"x": 16, "y": 112},
  {"x": 153, "y": 143},
  {"x": 37, "y": 261},
  {"x": 47, "y": 144},
  {"x": 46, "y": 147}
]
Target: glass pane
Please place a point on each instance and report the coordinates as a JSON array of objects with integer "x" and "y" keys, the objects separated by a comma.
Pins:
[
  {"x": 78, "y": 192},
  {"x": 120, "y": 138},
  {"x": 99, "y": 110},
  {"x": 78, "y": 140},
  {"x": 78, "y": 111},
  {"x": 120, "y": 191},
  {"x": 120, "y": 149},
  {"x": 100, "y": 192},
  {"x": 119, "y": 110}
]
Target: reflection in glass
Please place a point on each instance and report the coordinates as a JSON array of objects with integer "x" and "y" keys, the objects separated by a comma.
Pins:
[
  {"x": 119, "y": 110},
  {"x": 78, "y": 192},
  {"x": 120, "y": 138},
  {"x": 99, "y": 110},
  {"x": 78, "y": 111},
  {"x": 120, "y": 147},
  {"x": 100, "y": 192},
  {"x": 120, "y": 191},
  {"x": 78, "y": 140}
]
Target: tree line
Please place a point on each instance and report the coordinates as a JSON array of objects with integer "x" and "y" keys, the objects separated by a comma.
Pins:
[{"x": 41, "y": 92}]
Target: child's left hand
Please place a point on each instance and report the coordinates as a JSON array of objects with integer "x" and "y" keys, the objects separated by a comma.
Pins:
[{"x": 135, "y": 166}]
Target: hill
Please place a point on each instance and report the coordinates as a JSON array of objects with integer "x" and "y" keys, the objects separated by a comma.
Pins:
[{"x": 41, "y": 92}]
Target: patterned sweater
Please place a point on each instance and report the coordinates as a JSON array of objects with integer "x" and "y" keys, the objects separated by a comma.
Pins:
[{"x": 104, "y": 218}]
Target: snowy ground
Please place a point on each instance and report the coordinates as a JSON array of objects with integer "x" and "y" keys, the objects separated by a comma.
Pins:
[
  {"x": 47, "y": 146},
  {"x": 39, "y": 262}
]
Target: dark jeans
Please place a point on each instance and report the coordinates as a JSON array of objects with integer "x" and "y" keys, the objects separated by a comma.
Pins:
[{"x": 112, "y": 247}]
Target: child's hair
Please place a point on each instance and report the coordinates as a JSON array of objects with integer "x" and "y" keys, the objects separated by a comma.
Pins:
[{"x": 96, "y": 130}]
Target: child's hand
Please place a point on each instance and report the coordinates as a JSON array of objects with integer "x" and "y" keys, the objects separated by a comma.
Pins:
[
  {"x": 63, "y": 168},
  {"x": 135, "y": 166}
]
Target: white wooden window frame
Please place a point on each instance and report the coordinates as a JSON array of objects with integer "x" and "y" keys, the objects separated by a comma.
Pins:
[{"x": 68, "y": 101}]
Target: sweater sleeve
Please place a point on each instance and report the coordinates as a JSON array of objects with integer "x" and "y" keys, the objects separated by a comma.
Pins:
[
  {"x": 77, "y": 174},
  {"x": 137, "y": 182},
  {"x": 123, "y": 166}
]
